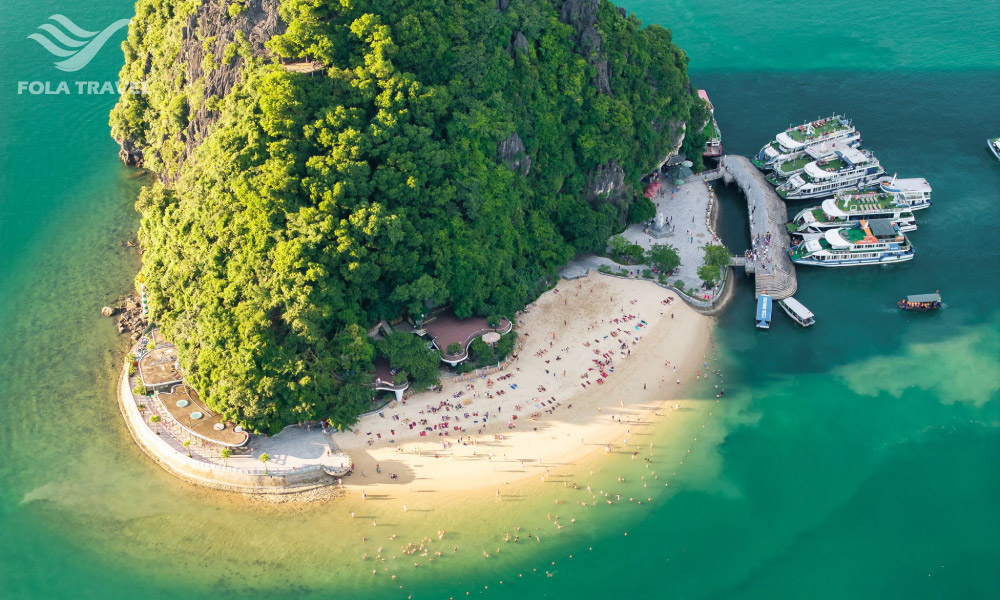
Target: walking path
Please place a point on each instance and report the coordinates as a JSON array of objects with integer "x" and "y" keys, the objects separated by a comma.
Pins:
[{"x": 773, "y": 270}]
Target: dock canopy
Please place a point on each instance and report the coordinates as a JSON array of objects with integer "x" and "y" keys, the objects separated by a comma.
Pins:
[{"x": 921, "y": 298}]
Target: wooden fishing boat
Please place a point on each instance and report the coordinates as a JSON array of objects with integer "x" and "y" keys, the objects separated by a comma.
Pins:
[{"x": 921, "y": 302}]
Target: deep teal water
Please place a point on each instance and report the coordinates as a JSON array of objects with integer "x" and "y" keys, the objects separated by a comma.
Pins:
[{"x": 854, "y": 459}]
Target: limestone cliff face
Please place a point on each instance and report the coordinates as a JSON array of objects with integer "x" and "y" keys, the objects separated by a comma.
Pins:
[
  {"x": 511, "y": 152},
  {"x": 258, "y": 23},
  {"x": 582, "y": 15},
  {"x": 606, "y": 182},
  {"x": 205, "y": 63}
]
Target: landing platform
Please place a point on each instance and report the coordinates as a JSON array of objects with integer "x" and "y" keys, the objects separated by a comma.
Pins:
[{"x": 772, "y": 268}]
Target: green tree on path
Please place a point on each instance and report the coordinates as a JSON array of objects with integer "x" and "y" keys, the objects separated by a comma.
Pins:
[
  {"x": 264, "y": 458},
  {"x": 410, "y": 355},
  {"x": 225, "y": 454},
  {"x": 664, "y": 257},
  {"x": 619, "y": 245},
  {"x": 186, "y": 445},
  {"x": 709, "y": 274},
  {"x": 717, "y": 255}
]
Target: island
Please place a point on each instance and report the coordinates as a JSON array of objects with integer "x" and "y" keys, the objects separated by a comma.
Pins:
[{"x": 353, "y": 204}]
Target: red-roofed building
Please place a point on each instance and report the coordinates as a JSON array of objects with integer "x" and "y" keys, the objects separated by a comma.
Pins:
[{"x": 651, "y": 190}]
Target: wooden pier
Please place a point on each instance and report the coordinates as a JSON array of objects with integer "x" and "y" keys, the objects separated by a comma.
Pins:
[{"x": 774, "y": 273}]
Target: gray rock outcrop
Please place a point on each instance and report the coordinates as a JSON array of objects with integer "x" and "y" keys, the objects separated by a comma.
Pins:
[
  {"x": 512, "y": 153},
  {"x": 259, "y": 22},
  {"x": 582, "y": 15}
]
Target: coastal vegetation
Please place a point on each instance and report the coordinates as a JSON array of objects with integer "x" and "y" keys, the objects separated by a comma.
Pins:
[
  {"x": 484, "y": 355},
  {"x": 362, "y": 160},
  {"x": 716, "y": 258},
  {"x": 415, "y": 362},
  {"x": 664, "y": 257}
]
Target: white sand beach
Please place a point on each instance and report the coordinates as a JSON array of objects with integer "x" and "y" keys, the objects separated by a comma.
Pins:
[{"x": 600, "y": 353}]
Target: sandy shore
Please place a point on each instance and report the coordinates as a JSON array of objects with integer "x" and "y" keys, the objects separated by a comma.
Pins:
[{"x": 566, "y": 405}]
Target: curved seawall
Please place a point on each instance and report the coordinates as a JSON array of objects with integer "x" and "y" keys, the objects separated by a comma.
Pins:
[{"x": 214, "y": 476}]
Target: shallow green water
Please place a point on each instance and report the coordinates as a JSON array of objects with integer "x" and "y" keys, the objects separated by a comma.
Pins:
[{"x": 856, "y": 458}]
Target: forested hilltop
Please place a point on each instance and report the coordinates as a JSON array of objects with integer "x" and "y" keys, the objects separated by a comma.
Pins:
[{"x": 323, "y": 164}]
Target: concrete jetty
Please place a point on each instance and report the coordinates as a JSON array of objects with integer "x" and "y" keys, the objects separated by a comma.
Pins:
[{"x": 769, "y": 262}]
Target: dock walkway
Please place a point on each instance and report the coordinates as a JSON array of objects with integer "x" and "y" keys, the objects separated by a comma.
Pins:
[{"x": 770, "y": 264}]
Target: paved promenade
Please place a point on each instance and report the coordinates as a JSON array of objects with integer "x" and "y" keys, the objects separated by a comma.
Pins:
[{"x": 688, "y": 208}]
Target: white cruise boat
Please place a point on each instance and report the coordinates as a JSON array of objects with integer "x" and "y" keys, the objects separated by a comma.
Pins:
[
  {"x": 851, "y": 168},
  {"x": 784, "y": 169},
  {"x": 865, "y": 243},
  {"x": 792, "y": 143},
  {"x": 849, "y": 207}
]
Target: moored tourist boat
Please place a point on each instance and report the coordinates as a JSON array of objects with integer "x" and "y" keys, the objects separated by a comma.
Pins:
[
  {"x": 713, "y": 145},
  {"x": 865, "y": 243},
  {"x": 851, "y": 168},
  {"x": 784, "y": 169},
  {"x": 797, "y": 311},
  {"x": 847, "y": 208},
  {"x": 994, "y": 144},
  {"x": 764, "y": 307},
  {"x": 793, "y": 143},
  {"x": 921, "y": 302}
]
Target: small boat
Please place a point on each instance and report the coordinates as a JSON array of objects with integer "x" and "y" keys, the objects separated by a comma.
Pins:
[
  {"x": 713, "y": 145},
  {"x": 921, "y": 302},
  {"x": 797, "y": 311},
  {"x": 994, "y": 144},
  {"x": 763, "y": 318}
]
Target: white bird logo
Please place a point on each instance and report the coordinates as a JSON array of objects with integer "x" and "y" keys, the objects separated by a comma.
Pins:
[{"x": 76, "y": 45}]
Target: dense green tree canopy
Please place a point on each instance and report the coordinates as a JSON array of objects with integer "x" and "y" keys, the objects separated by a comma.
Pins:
[
  {"x": 296, "y": 209},
  {"x": 664, "y": 257},
  {"x": 410, "y": 354},
  {"x": 642, "y": 209}
]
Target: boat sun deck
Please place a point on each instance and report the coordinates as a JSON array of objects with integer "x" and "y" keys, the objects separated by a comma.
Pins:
[
  {"x": 790, "y": 166},
  {"x": 858, "y": 203},
  {"x": 832, "y": 166},
  {"x": 817, "y": 129}
]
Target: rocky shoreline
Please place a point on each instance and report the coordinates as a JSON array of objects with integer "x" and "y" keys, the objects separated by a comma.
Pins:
[{"x": 131, "y": 321}]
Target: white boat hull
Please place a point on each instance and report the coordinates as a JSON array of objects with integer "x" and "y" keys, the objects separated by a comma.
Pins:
[{"x": 860, "y": 262}]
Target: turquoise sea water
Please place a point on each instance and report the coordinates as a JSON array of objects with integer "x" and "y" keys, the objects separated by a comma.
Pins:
[{"x": 854, "y": 459}]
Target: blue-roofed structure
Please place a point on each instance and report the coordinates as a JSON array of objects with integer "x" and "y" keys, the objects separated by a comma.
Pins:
[{"x": 764, "y": 305}]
